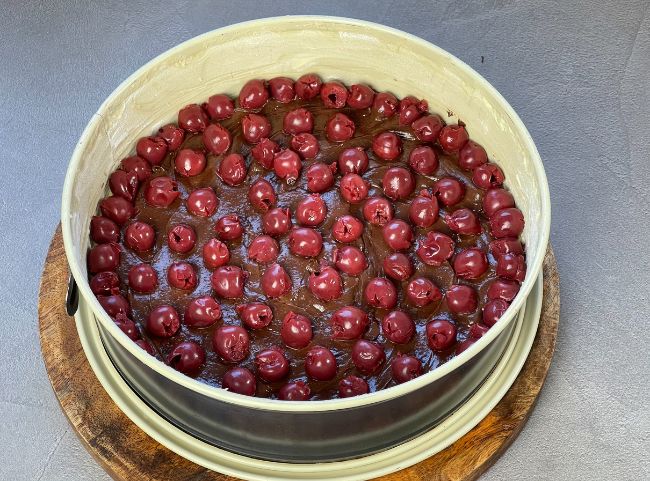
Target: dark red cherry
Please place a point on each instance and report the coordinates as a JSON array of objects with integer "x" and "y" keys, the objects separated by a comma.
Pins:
[
  {"x": 202, "y": 202},
  {"x": 496, "y": 199},
  {"x": 187, "y": 357},
  {"x": 387, "y": 146},
  {"x": 360, "y": 96},
  {"x": 340, "y": 128},
  {"x": 263, "y": 249},
  {"x": 334, "y": 95},
  {"x": 306, "y": 145},
  {"x": 215, "y": 254},
  {"x": 398, "y": 183},
  {"x": 311, "y": 210},
  {"x": 103, "y": 229},
  {"x": 424, "y": 160},
  {"x": 161, "y": 192},
  {"x": 367, "y": 356},
  {"x": 216, "y": 139},
  {"x": 189, "y": 163},
  {"x": 378, "y": 211},
  {"x": 139, "y": 236},
  {"x": 308, "y": 86},
  {"x": 203, "y": 311},
  {"x": 487, "y": 176},
  {"x": 287, "y": 166},
  {"x": 219, "y": 107},
  {"x": 398, "y": 327},
  {"x": 104, "y": 257},
  {"x": 240, "y": 380},
  {"x": 493, "y": 310},
  {"x": 466, "y": 344},
  {"x": 435, "y": 248},
  {"x": 471, "y": 156},
  {"x": 232, "y": 169},
  {"x": 294, "y": 391},
  {"x": 477, "y": 331},
  {"x": 181, "y": 238},
  {"x": 152, "y": 149},
  {"x": 298, "y": 121},
  {"x": 275, "y": 281},
  {"x": 405, "y": 368},
  {"x": 276, "y": 222},
  {"x": 105, "y": 283},
  {"x": 453, "y": 137},
  {"x": 347, "y": 228},
  {"x": 182, "y": 275},
  {"x": 411, "y": 108},
  {"x": 118, "y": 209},
  {"x": 502, "y": 289},
  {"x": 423, "y": 211},
  {"x": 163, "y": 321},
  {"x": 507, "y": 222},
  {"x": 305, "y": 242},
  {"x": 320, "y": 177},
  {"x": 398, "y": 235},
  {"x": 421, "y": 292},
  {"x": 229, "y": 227},
  {"x": 127, "y": 326},
  {"x": 228, "y": 281},
  {"x": 427, "y": 128},
  {"x": 461, "y": 299},
  {"x": 385, "y": 104},
  {"x": 173, "y": 135},
  {"x": 351, "y": 386},
  {"x": 143, "y": 278},
  {"x": 142, "y": 344},
  {"x": 272, "y": 365},
  {"x": 353, "y": 188},
  {"x": 449, "y": 191},
  {"x": 264, "y": 152},
  {"x": 192, "y": 118},
  {"x": 232, "y": 343},
  {"x": 499, "y": 247},
  {"x": 253, "y": 95},
  {"x": 296, "y": 330},
  {"x": 348, "y": 323},
  {"x": 138, "y": 165},
  {"x": 470, "y": 263},
  {"x": 511, "y": 267},
  {"x": 320, "y": 364},
  {"x": 255, "y": 315},
  {"x": 115, "y": 305},
  {"x": 441, "y": 334},
  {"x": 381, "y": 293},
  {"x": 325, "y": 284},
  {"x": 255, "y": 127},
  {"x": 353, "y": 160},
  {"x": 398, "y": 266},
  {"x": 124, "y": 184},
  {"x": 282, "y": 89},
  {"x": 350, "y": 260},
  {"x": 463, "y": 221}
]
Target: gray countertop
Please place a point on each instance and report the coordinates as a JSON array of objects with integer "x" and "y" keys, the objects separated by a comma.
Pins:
[{"x": 579, "y": 77}]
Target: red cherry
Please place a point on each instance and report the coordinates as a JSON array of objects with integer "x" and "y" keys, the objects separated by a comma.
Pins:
[
  {"x": 360, "y": 96},
  {"x": 471, "y": 156},
  {"x": 192, "y": 118},
  {"x": 187, "y": 357},
  {"x": 353, "y": 188},
  {"x": 320, "y": 177},
  {"x": 347, "y": 228},
  {"x": 276, "y": 222},
  {"x": 253, "y": 95},
  {"x": 219, "y": 107},
  {"x": 502, "y": 289},
  {"x": 353, "y": 161},
  {"x": 320, "y": 364},
  {"x": 161, "y": 192},
  {"x": 505, "y": 246},
  {"x": 387, "y": 146},
  {"x": 398, "y": 235},
  {"x": 470, "y": 263},
  {"x": 466, "y": 344},
  {"x": 275, "y": 281},
  {"x": 496, "y": 199},
  {"x": 173, "y": 135},
  {"x": 334, "y": 95},
  {"x": 405, "y": 368},
  {"x": 398, "y": 266},
  {"x": 202, "y": 202},
  {"x": 143, "y": 279},
  {"x": 216, "y": 139},
  {"x": 298, "y": 121},
  {"x": 124, "y": 184},
  {"x": 202, "y": 312},
  {"x": 114, "y": 305},
  {"x": 368, "y": 356},
  {"x": 240, "y": 380},
  {"x": 264, "y": 152},
  {"x": 441, "y": 334},
  {"x": 424, "y": 160},
  {"x": 378, "y": 211},
  {"x": 340, "y": 128},
  {"x": 231, "y": 343},
  {"x": 449, "y": 191},
  {"x": 181, "y": 238},
  {"x": 182, "y": 275},
  {"x": 282, "y": 89},
  {"x": 272, "y": 365},
  {"x": 427, "y": 128},
  {"x": 105, "y": 283},
  {"x": 263, "y": 249},
  {"x": 232, "y": 169},
  {"x": 507, "y": 222},
  {"x": 512, "y": 267},
  {"x": 348, "y": 323},
  {"x": 255, "y": 315},
  {"x": 385, "y": 104},
  {"x": 287, "y": 166},
  {"x": 398, "y": 183},
  {"x": 261, "y": 195},
  {"x": 350, "y": 260},
  {"x": 127, "y": 326},
  {"x": 229, "y": 227},
  {"x": 453, "y": 137},
  {"x": 462, "y": 299},
  {"x": 423, "y": 211},
  {"x": 477, "y": 331},
  {"x": 104, "y": 257},
  {"x": 296, "y": 330},
  {"x": 351, "y": 386},
  {"x": 142, "y": 344},
  {"x": 255, "y": 127},
  {"x": 152, "y": 149},
  {"x": 228, "y": 281},
  {"x": 421, "y": 292},
  {"x": 163, "y": 321},
  {"x": 308, "y": 86},
  {"x": 311, "y": 210},
  {"x": 305, "y": 242},
  {"x": 398, "y": 327},
  {"x": 138, "y": 165},
  {"x": 215, "y": 254},
  {"x": 487, "y": 176},
  {"x": 294, "y": 391},
  {"x": 139, "y": 236},
  {"x": 493, "y": 310},
  {"x": 189, "y": 163},
  {"x": 435, "y": 248},
  {"x": 118, "y": 209},
  {"x": 410, "y": 109},
  {"x": 306, "y": 145},
  {"x": 381, "y": 293},
  {"x": 463, "y": 221},
  {"x": 103, "y": 230},
  {"x": 325, "y": 284}
]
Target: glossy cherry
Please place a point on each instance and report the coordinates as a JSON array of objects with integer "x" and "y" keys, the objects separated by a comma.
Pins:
[
  {"x": 411, "y": 108},
  {"x": 441, "y": 334},
  {"x": 282, "y": 89},
  {"x": 143, "y": 278},
  {"x": 104, "y": 257},
  {"x": 334, "y": 95},
  {"x": 487, "y": 176},
  {"x": 229, "y": 227},
  {"x": 298, "y": 121},
  {"x": 173, "y": 135},
  {"x": 339, "y": 128},
  {"x": 272, "y": 365},
  {"x": 305, "y": 242},
  {"x": 138, "y": 165},
  {"x": 325, "y": 283},
  {"x": 295, "y": 391},
  {"x": 435, "y": 248},
  {"x": 163, "y": 321},
  {"x": 378, "y": 211},
  {"x": 360, "y": 96},
  {"x": 287, "y": 166},
  {"x": 216, "y": 139},
  {"x": 477, "y": 331},
  {"x": 427, "y": 128},
  {"x": 114, "y": 305},
  {"x": 398, "y": 266},
  {"x": 507, "y": 222},
  {"x": 103, "y": 229},
  {"x": 276, "y": 222},
  {"x": 161, "y": 191},
  {"x": 139, "y": 236},
  {"x": 240, "y": 381},
  {"x": 499, "y": 247},
  {"x": 348, "y": 323},
  {"x": 306, "y": 145},
  {"x": 449, "y": 191},
  {"x": 398, "y": 235},
  {"x": 353, "y": 188},
  {"x": 192, "y": 118},
  {"x": 215, "y": 254},
  {"x": 511, "y": 267},
  {"x": 405, "y": 368},
  {"x": 424, "y": 160},
  {"x": 275, "y": 281},
  {"x": 228, "y": 281},
  {"x": 353, "y": 160},
  {"x": 118, "y": 209},
  {"x": 461, "y": 299},
  {"x": 368, "y": 356},
  {"x": 493, "y": 310},
  {"x": 253, "y": 95},
  {"x": 421, "y": 292},
  {"x": 219, "y": 107},
  {"x": 124, "y": 184},
  {"x": 423, "y": 211},
  {"x": 351, "y": 386},
  {"x": 381, "y": 293},
  {"x": 385, "y": 104},
  {"x": 398, "y": 183},
  {"x": 181, "y": 238},
  {"x": 387, "y": 146},
  {"x": 189, "y": 163},
  {"x": 255, "y": 127},
  {"x": 311, "y": 210},
  {"x": 127, "y": 326},
  {"x": 471, "y": 156},
  {"x": 350, "y": 260},
  {"x": 453, "y": 137},
  {"x": 152, "y": 149},
  {"x": 308, "y": 86},
  {"x": 232, "y": 169},
  {"x": 203, "y": 311},
  {"x": 463, "y": 221},
  {"x": 503, "y": 289},
  {"x": 264, "y": 152},
  {"x": 296, "y": 331},
  {"x": 347, "y": 228},
  {"x": 470, "y": 263},
  {"x": 496, "y": 199},
  {"x": 320, "y": 364},
  {"x": 231, "y": 343},
  {"x": 320, "y": 177},
  {"x": 202, "y": 202},
  {"x": 105, "y": 283},
  {"x": 255, "y": 315},
  {"x": 187, "y": 357},
  {"x": 398, "y": 327},
  {"x": 263, "y": 249},
  {"x": 182, "y": 275}
]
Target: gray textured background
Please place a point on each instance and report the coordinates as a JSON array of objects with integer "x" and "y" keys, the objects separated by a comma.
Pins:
[{"x": 578, "y": 75}]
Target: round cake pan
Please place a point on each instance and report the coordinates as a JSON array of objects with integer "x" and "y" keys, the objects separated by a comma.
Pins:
[{"x": 335, "y": 48}]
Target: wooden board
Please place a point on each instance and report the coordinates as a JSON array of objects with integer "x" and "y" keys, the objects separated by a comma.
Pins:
[{"x": 127, "y": 453}]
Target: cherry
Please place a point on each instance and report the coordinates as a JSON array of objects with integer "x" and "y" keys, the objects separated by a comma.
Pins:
[
  {"x": 282, "y": 89},
  {"x": 104, "y": 257},
  {"x": 139, "y": 236},
  {"x": 424, "y": 160},
  {"x": 320, "y": 364},
  {"x": 276, "y": 222},
  {"x": 423, "y": 211},
  {"x": 360, "y": 96},
  {"x": 105, "y": 283},
  {"x": 347, "y": 228},
  {"x": 127, "y": 326},
  {"x": 264, "y": 152},
  {"x": 353, "y": 188},
  {"x": 441, "y": 334},
  {"x": 487, "y": 176},
  {"x": 398, "y": 327},
  {"x": 398, "y": 266},
  {"x": 353, "y": 160},
  {"x": 255, "y": 315},
  {"x": 507, "y": 222},
  {"x": 398, "y": 235},
  {"x": 462, "y": 299},
  {"x": 216, "y": 139},
  {"x": 367, "y": 356},
  {"x": 466, "y": 344},
  {"x": 477, "y": 331},
  {"x": 152, "y": 149},
  {"x": 311, "y": 211},
  {"x": 182, "y": 275},
  {"x": 470, "y": 263},
  {"x": 114, "y": 305},
  {"x": 163, "y": 321},
  {"x": 296, "y": 330},
  {"x": 449, "y": 191},
  {"x": 499, "y": 247},
  {"x": 181, "y": 238},
  {"x": 142, "y": 344},
  {"x": 398, "y": 183},
  {"x": 187, "y": 357},
  {"x": 306, "y": 145},
  {"x": 493, "y": 310},
  {"x": 411, "y": 108},
  {"x": 202, "y": 202},
  {"x": 350, "y": 260},
  {"x": 219, "y": 107},
  {"x": 305, "y": 242},
  {"x": 228, "y": 281},
  {"x": 272, "y": 365},
  {"x": 320, "y": 177},
  {"x": 351, "y": 386},
  {"x": 502, "y": 289},
  {"x": 387, "y": 146},
  {"x": 203, "y": 311},
  {"x": 471, "y": 156},
  {"x": 189, "y": 163},
  {"x": 287, "y": 166},
  {"x": 192, "y": 118},
  {"x": 381, "y": 293},
  {"x": 255, "y": 128},
  {"x": 232, "y": 169},
  {"x": 298, "y": 121},
  {"x": 143, "y": 279},
  {"x": 385, "y": 104},
  {"x": 103, "y": 230},
  {"x": 325, "y": 284},
  {"x": 215, "y": 254},
  {"x": 161, "y": 192},
  {"x": 453, "y": 137},
  {"x": 124, "y": 184},
  {"x": 275, "y": 281},
  {"x": 263, "y": 249},
  {"x": 229, "y": 227},
  {"x": 173, "y": 135},
  {"x": 378, "y": 211},
  {"x": 427, "y": 128},
  {"x": 231, "y": 343},
  {"x": 294, "y": 391},
  {"x": 118, "y": 209},
  {"x": 138, "y": 165},
  {"x": 405, "y": 368},
  {"x": 463, "y": 221},
  {"x": 308, "y": 86},
  {"x": 339, "y": 128},
  {"x": 348, "y": 323},
  {"x": 240, "y": 381},
  {"x": 253, "y": 95},
  {"x": 334, "y": 95},
  {"x": 511, "y": 267},
  {"x": 496, "y": 199},
  {"x": 435, "y": 248},
  {"x": 421, "y": 292}
]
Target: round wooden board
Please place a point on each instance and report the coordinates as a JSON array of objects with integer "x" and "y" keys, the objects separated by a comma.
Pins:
[{"x": 127, "y": 453}]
